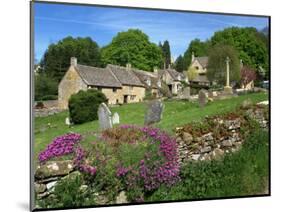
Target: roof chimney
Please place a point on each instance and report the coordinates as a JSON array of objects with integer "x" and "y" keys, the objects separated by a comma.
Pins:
[
  {"x": 73, "y": 61},
  {"x": 192, "y": 56},
  {"x": 128, "y": 66}
]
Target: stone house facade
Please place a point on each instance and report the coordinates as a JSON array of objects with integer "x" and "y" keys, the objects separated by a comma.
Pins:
[
  {"x": 117, "y": 83},
  {"x": 173, "y": 79},
  {"x": 200, "y": 64}
]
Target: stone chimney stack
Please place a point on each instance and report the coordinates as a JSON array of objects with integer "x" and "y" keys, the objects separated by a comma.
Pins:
[
  {"x": 128, "y": 66},
  {"x": 73, "y": 61},
  {"x": 192, "y": 56}
]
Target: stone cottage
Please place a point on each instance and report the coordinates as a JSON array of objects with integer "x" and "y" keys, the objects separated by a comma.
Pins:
[
  {"x": 119, "y": 84},
  {"x": 173, "y": 79},
  {"x": 200, "y": 64}
]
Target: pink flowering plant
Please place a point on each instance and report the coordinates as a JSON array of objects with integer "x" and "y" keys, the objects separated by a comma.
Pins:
[
  {"x": 60, "y": 146},
  {"x": 136, "y": 159}
]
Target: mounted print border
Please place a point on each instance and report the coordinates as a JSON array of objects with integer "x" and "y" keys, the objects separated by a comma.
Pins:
[{"x": 137, "y": 105}]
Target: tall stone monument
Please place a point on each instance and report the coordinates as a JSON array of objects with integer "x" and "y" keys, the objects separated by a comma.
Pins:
[{"x": 227, "y": 87}]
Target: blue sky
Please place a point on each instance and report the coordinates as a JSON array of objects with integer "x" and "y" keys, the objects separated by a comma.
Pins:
[{"x": 55, "y": 21}]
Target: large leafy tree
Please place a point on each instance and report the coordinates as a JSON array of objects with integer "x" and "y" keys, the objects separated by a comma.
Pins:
[
  {"x": 56, "y": 59},
  {"x": 199, "y": 48},
  {"x": 132, "y": 46},
  {"x": 217, "y": 64},
  {"x": 179, "y": 64},
  {"x": 249, "y": 42}
]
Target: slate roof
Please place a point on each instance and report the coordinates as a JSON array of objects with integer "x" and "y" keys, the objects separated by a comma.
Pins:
[
  {"x": 97, "y": 76},
  {"x": 145, "y": 75},
  {"x": 203, "y": 61},
  {"x": 125, "y": 77}
]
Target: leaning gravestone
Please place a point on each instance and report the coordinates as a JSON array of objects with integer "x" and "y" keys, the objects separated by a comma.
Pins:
[
  {"x": 154, "y": 112},
  {"x": 115, "y": 118},
  {"x": 202, "y": 98},
  {"x": 104, "y": 115},
  {"x": 186, "y": 93}
]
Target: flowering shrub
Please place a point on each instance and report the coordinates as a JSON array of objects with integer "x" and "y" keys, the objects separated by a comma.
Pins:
[
  {"x": 143, "y": 159},
  {"x": 60, "y": 146}
]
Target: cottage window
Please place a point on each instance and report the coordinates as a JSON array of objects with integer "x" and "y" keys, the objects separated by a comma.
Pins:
[
  {"x": 114, "y": 90},
  {"x": 132, "y": 97}
]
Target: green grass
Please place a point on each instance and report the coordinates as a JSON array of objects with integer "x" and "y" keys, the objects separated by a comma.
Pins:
[{"x": 176, "y": 113}]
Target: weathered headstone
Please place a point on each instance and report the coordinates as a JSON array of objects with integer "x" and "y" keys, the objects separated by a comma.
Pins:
[
  {"x": 104, "y": 115},
  {"x": 115, "y": 118},
  {"x": 154, "y": 112},
  {"x": 202, "y": 98},
  {"x": 186, "y": 93},
  {"x": 67, "y": 121}
]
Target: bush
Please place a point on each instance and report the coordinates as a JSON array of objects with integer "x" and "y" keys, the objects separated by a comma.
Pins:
[
  {"x": 83, "y": 106},
  {"x": 138, "y": 160},
  {"x": 44, "y": 86}
]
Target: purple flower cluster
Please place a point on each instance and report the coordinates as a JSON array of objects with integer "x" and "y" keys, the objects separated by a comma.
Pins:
[
  {"x": 122, "y": 171},
  {"x": 79, "y": 162},
  {"x": 154, "y": 173},
  {"x": 60, "y": 146}
]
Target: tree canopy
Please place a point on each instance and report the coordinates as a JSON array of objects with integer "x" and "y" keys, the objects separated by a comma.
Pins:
[
  {"x": 250, "y": 44},
  {"x": 134, "y": 47},
  {"x": 56, "y": 59},
  {"x": 179, "y": 64},
  {"x": 217, "y": 64},
  {"x": 166, "y": 54}
]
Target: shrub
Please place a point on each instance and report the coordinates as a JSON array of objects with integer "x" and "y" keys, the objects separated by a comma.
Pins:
[
  {"x": 138, "y": 160},
  {"x": 83, "y": 106}
]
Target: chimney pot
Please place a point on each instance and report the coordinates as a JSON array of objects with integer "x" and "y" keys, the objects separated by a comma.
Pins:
[{"x": 73, "y": 61}]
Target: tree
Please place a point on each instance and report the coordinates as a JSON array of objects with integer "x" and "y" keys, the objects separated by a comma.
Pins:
[
  {"x": 179, "y": 64},
  {"x": 132, "y": 46},
  {"x": 250, "y": 44},
  {"x": 217, "y": 64},
  {"x": 199, "y": 48},
  {"x": 56, "y": 59},
  {"x": 192, "y": 73},
  {"x": 166, "y": 54},
  {"x": 44, "y": 86},
  {"x": 247, "y": 75}
]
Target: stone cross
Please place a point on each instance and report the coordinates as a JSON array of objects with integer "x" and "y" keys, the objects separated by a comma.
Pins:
[
  {"x": 104, "y": 115},
  {"x": 115, "y": 118},
  {"x": 227, "y": 71},
  {"x": 154, "y": 112}
]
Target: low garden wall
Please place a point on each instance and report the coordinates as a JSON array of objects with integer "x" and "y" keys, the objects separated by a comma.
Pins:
[{"x": 215, "y": 136}]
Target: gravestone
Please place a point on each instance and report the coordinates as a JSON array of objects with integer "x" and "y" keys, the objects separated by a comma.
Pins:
[
  {"x": 67, "y": 121},
  {"x": 104, "y": 115},
  {"x": 115, "y": 118},
  {"x": 202, "y": 98},
  {"x": 154, "y": 112},
  {"x": 186, "y": 93}
]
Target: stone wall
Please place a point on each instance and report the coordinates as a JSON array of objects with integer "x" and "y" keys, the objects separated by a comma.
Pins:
[{"x": 224, "y": 137}]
